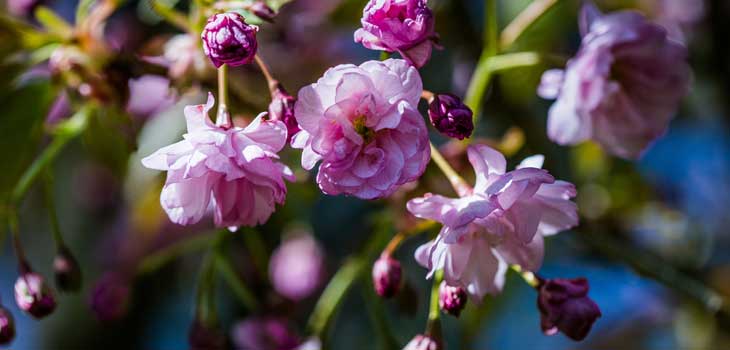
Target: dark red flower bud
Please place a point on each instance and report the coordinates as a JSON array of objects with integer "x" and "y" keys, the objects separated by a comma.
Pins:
[
  {"x": 33, "y": 295},
  {"x": 205, "y": 337},
  {"x": 564, "y": 306},
  {"x": 386, "y": 276},
  {"x": 67, "y": 271},
  {"x": 422, "y": 342},
  {"x": 282, "y": 108},
  {"x": 263, "y": 11},
  {"x": 7, "y": 326},
  {"x": 452, "y": 299},
  {"x": 228, "y": 39},
  {"x": 110, "y": 297},
  {"x": 450, "y": 116}
]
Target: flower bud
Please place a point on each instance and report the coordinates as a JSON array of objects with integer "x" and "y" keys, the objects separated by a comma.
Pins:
[
  {"x": 451, "y": 116},
  {"x": 228, "y": 39},
  {"x": 67, "y": 271},
  {"x": 282, "y": 108},
  {"x": 564, "y": 306},
  {"x": 33, "y": 295},
  {"x": 452, "y": 299},
  {"x": 110, "y": 297},
  {"x": 422, "y": 342},
  {"x": 7, "y": 326},
  {"x": 205, "y": 337},
  {"x": 386, "y": 276},
  {"x": 263, "y": 11}
]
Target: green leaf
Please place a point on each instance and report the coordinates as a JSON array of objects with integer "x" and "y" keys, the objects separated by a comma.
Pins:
[{"x": 21, "y": 128}]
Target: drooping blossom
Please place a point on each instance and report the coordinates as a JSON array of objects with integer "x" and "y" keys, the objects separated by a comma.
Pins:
[
  {"x": 501, "y": 221},
  {"x": 228, "y": 39},
  {"x": 387, "y": 276},
  {"x": 361, "y": 122},
  {"x": 33, "y": 295},
  {"x": 264, "y": 333},
  {"x": 622, "y": 88},
  {"x": 403, "y": 26},
  {"x": 565, "y": 306},
  {"x": 233, "y": 170},
  {"x": 297, "y": 267},
  {"x": 451, "y": 116}
]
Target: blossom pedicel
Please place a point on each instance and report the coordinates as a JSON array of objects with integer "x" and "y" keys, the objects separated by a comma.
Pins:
[
  {"x": 362, "y": 123},
  {"x": 501, "y": 221},
  {"x": 623, "y": 86},
  {"x": 234, "y": 170},
  {"x": 403, "y": 26},
  {"x": 228, "y": 39}
]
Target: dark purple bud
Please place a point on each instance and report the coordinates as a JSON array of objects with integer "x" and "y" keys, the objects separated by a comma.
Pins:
[
  {"x": 386, "y": 276},
  {"x": 205, "y": 337},
  {"x": 228, "y": 39},
  {"x": 110, "y": 297},
  {"x": 33, "y": 295},
  {"x": 263, "y": 11},
  {"x": 422, "y": 342},
  {"x": 67, "y": 271},
  {"x": 282, "y": 108},
  {"x": 452, "y": 299},
  {"x": 450, "y": 116},
  {"x": 7, "y": 326},
  {"x": 564, "y": 306}
]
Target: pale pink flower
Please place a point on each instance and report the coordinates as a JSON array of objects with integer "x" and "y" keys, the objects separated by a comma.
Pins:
[
  {"x": 362, "y": 123},
  {"x": 622, "y": 88},
  {"x": 403, "y": 26},
  {"x": 235, "y": 171},
  {"x": 501, "y": 221},
  {"x": 297, "y": 267}
]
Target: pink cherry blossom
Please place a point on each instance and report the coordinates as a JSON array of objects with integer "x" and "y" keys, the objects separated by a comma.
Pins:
[
  {"x": 235, "y": 171},
  {"x": 403, "y": 26},
  {"x": 622, "y": 88},
  {"x": 362, "y": 123},
  {"x": 501, "y": 221}
]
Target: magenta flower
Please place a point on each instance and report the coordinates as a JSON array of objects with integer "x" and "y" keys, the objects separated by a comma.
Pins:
[
  {"x": 233, "y": 170},
  {"x": 362, "y": 123},
  {"x": 228, "y": 39},
  {"x": 387, "y": 276},
  {"x": 264, "y": 333},
  {"x": 403, "y": 26},
  {"x": 623, "y": 86},
  {"x": 501, "y": 221},
  {"x": 297, "y": 267},
  {"x": 282, "y": 108},
  {"x": 33, "y": 295},
  {"x": 452, "y": 300},
  {"x": 423, "y": 342},
  {"x": 565, "y": 306}
]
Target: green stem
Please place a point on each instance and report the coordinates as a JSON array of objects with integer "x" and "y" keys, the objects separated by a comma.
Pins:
[
  {"x": 223, "y": 118},
  {"x": 524, "y": 20},
  {"x": 384, "y": 55},
  {"x": 66, "y": 132},
  {"x": 491, "y": 28},
  {"x": 434, "y": 313},
  {"x": 460, "y": 186},
  {"x": 166, "y": 255},
  {"x": 51, "y": 208},
  {"x": 234, "y": 282},
  {"x": 528, "y": 276},
  {"x": 205, "y": 305},
  {"x": 170, "y": 15},
  {"x": 15, "y": 232},
  {"x": 377, "y": 317}
]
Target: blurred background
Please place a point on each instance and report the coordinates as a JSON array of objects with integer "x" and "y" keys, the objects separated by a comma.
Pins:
[{"x": 653, "y": 239}]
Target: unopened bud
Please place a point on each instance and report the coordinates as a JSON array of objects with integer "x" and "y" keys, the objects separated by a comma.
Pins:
[
  {"x": 33, "y": 295},
  {"x": 67, "y": 271},
  {"x": 263, "y": 11},
  {"x": 7, "y": 326},
  {"x": 450, "y": 116},
  {"x": 282, "y": 108},
  {"x": 386, "y": 276},
  {"x": 228, "y": 39},
  {"x": 565, "y": 306},
  {"x": 452, "y": 299},
  {"x": 422, "y": 342}
]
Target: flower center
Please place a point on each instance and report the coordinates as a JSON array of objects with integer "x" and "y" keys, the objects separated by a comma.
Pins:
[{"x": 362, "y": 130}]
